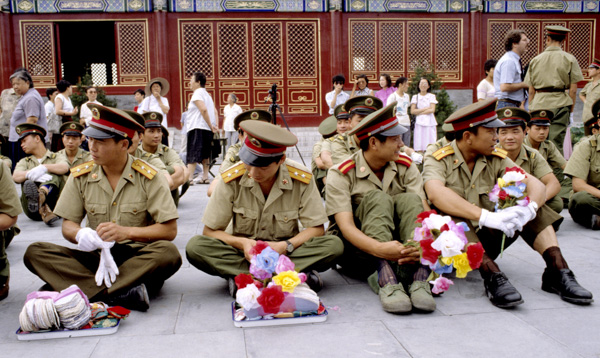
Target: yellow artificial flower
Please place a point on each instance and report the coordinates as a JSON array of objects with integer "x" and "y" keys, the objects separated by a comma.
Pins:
[
  {"x": 288, "y": 280},
  {"x": 461, "y": 264},
  {"x": 447, "y": 260},
  {"x": 501, "y": 183}
]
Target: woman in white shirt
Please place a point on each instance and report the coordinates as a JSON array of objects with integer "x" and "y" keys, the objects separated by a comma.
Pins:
[
  {"x": 62, "y": 103},
  {"x": 156, "y": 102},
  {"x": 86, "y": 114},
  {"x": 423, "y": 106},
  {"x": 485, "y": 88},
  {"x": 231, "y": 111},
  {"x": 402, "y": 100}
]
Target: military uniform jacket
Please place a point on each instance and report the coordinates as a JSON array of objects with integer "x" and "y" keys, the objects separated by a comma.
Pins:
[
  {"x": 531, "y": 161},
  {"x": 349, "y": 181},
  {"x": 9, "y": 200},
  {"x": 150, "y": 158},
  {"x": 31, "y": 161},
  {"x": 448, "y": 166},
  {"x": 592, "y": 94},
  {"x": 231, "y": 157},
  {"x": 341, "y": 146},
  {"x": 141, "y": 197},
  {"x": 294, "y": 196},
  {"x": 81, "y": 157},
  {"x": 167, "y": 156},
  {"x": 550, "y": 152},
  {"x": 553, "y": 68},
  {"x": 316, "y": 152},
  {"x": 585, "y": 161}
]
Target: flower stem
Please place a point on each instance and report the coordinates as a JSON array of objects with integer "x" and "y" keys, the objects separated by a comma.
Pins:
[{"x": 502, "y": 245}]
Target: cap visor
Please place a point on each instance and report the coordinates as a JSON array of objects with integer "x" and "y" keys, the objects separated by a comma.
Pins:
[
  {"x": 540, "y": 123},
  {"x": 254, "y": 160},
  {"x": 72, "y": 133},
  {"x": 496, "y": 123},
  {"x": 394, "y": 131},
  {"x": 92, "y": 132}
]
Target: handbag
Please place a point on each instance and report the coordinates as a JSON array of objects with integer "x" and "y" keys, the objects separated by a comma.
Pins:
[{"x": 54, "y": 123}]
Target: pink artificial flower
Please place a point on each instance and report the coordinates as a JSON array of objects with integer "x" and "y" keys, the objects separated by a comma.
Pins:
[
  {"x": 441, "y": 284},
  {"x": 302, "y": 277},
  {"x": 523, "y": 202},
  {"x": 493, "y": 195},
  {"x": 258, "y": 272},
  {"x": 284, "y": 264},
  {"x": 422, "y": 233}
]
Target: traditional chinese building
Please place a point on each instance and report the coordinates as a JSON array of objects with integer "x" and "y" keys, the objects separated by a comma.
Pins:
[{"x": 246, "y": 46}]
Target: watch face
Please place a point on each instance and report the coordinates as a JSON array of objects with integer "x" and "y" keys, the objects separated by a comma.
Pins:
[{"x": 290, "y": 248}]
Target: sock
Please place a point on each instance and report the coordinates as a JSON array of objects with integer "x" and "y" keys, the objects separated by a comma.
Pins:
[
  {"x": 386, "y": 274},
  {"x": 554, "y": 258},
  {"x": 422, "y": 273},
  {"x": 47, "y": 187},
  {"x": 488, "y": 266}
]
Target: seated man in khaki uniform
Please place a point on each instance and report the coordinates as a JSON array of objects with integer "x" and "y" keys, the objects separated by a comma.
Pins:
[
  {"x": 72, "y": 139},
  {"x": 375, "y": 196},
  {"x": 530, "y": 160},
  {"x": 41, "y": 174},
  {"x": 264, "y": 197},
  {"x": 327, "y": 128},
  {"x": 10, "y": 208},
  {"x": 129, "y": 212},
  {"x": 458, "y": 178},
  {"x": 4, "y": 158}
]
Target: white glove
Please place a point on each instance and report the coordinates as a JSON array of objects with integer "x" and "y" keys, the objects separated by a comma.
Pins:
[
  {"x": 88, "y": 240},
  {"x": 571, "y": 118},
  {"x": 507, "y": 222},
  {"x": 526, "y": 213},
  {"x": 36, "y": 172},
  {"x": 44, "y": 178},
  {"x": 107, "y": 269},
  {"x": 417, "y": 158}
]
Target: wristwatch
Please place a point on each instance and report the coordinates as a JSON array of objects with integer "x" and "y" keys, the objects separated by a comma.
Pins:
[{"x": 290, "y": 247}]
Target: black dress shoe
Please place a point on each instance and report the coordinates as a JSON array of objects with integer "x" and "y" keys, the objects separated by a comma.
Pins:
[
  {"x": 135, "y": 298},
  {"x": 563, "y": 283},
  {"x": 313, "y": 280},
  {"x": 232, "y": 287},
  {"x": 501, "y": 292}
]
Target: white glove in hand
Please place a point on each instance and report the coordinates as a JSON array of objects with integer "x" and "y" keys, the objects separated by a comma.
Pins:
[
  {"x": 417, "y": 158},
  {"x": 526, "y": 213},
  {"x": 507, "y": 222},
  {"x": 571, "y": 118},
  {"x": 36, "y": 172},
  {"x": 88, "y": 240},
  {"x": 107, "y": 269},
  {"x": 44, "y": 178}
]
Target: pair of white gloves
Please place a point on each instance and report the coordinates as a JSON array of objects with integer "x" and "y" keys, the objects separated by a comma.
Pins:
[
  {"x": 416, "y": 157},
  {"x": 89, "y": 240},
  {"x": 39, "y": 174},
  {"x": 509, "y": 220}
]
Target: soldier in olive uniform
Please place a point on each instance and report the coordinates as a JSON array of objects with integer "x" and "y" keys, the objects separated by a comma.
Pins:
[
  {"x": 4, "y": 158},
  {"x": 41, "y": 174},
  {"x": 458, "y": 178},
  {"x": 72, "y": 139},
  {"x": 511, "y": 138},
  {"x": 127, "y": 205},
  {"x": 584, "y": 169},
  {"x": 264, "y": 196},
  {"x": 550, "y": 74},
  {"x": 591, "y": 91},
  {"x": 375, "y": 196},
  {"x": 327, "y": 128},
  {"x": 10, "y": 208}
]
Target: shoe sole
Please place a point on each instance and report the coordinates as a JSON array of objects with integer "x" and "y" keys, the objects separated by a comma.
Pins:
[
  {"x": 32, "y": 195},
  {"x": 52, "y": 221},
  {"x": 577, "y": 301}
]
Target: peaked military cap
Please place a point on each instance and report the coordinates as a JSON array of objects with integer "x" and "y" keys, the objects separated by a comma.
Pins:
[
  {"x": 477, "y": 114},
  {"x": 256, "y": 114},
  {"x": 513, "y": 116},
  {"x": 340, "y": 112},
  {"x": 541, "y": 117},
  {"x": 595, "y": 63},
  {"x": 383, "y": 122},
  {"x": 26, "y": 129},
  {"x": 137, "y": 117},
  {"x": 264, "y": 141},
  {"x": 328, "y": 126},
  {"x": 152, "y": 119},
  {"x": 557, "y": 30},
  {"x": 363, "y": 105},
  {"x": 108, "y": 122},
  {"x": 71, "y": 128}
]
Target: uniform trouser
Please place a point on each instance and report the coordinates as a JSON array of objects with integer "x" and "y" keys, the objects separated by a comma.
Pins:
[
  {"x": 138, "y": 263},
  {"x": 175, "y": 195},
  {"x": 56, "y": 183},
  {"x": 566, "y": 184},
  {"x": 556, "y": 204},
  {"x": 558, "y": 126},
  {"x": 319, "y": 174},
  {"x": 217, "y": 258},
  {"x": 582, "y": 206},
  {"x": 491, "y": 239},
  {"x": 383, "y": 218},
  {"x": 6, "y": 237}
]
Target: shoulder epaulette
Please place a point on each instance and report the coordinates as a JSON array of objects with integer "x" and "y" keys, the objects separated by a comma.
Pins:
[
  {"x": 82, "y": 169},
  {"x": 144, "y": 168},
  {"x": 53, "y": 155},
  {"x": 346, "y": 166},
  {"x": 404, "y": 160},
  {"x": 443, "y": 152},
  {"x": 499, "y": 152},
  {"x": 299, "y": 174},
  {"x": 593, "y": 142},
  {"x": 234, "y": 172}
]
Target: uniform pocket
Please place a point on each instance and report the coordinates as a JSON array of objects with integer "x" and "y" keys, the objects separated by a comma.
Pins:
[
  {"x": 287, "y": 224},
  {"x": 133, "y": 214},
  {"x": 96, "y": 214},
  {"x": 244, "y": 221}
]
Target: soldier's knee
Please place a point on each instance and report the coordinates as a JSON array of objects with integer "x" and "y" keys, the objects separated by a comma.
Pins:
[
  {"x": 582, "y": 198},
  {"x": 34, "y": 252},
  {"x": 377, "y": 197},
  {"x": 196, "y": 247},
  {"x": 167, "y": 254},
  {"x": 334, "y": 245}
]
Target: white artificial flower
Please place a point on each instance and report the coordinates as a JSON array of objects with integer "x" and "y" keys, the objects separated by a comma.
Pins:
[
  {"x": 436, "y": 221},
  {"x": 513, "y": 177},
  {"x": 449, "y": 244},
  {"x": 247, "y": 297}
]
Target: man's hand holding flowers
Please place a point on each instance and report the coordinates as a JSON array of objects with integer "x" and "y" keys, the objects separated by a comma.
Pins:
[{"x": 506, "y": 221}]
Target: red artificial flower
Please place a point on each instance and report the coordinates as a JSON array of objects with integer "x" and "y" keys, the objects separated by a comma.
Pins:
[
  {"x": 515, "y": 169},
  {"x": 258, "y": 284},
  {"x": 429, "y": 253},
  {"x": 444, "y": 228},
  {"x": 257, "y": 249},
  {"x": 424, "y": 215},
  {"x": 271, "y": 299},
  {"x": 242, "y": 280},
  {"x": 502, "y": 195},
  {"x": 475, "y": 255}
]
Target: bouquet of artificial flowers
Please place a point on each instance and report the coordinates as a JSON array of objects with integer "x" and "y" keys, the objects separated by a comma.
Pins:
[{"x": 444, "y": 246}]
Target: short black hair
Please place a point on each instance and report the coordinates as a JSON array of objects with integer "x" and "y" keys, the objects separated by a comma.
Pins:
[
  {"x": 363, "y": 76},
  {"x": 388, "y": 79},
  {"x": 458, "y": 135},
  {"x": 63, "y": 85},
  {"x": 200, "y": 77},
  {"x": 364, "y": 144},
  {"x": 50, "y": 91},
  {"x": 559, "y": 38},
  {"x": 140, "y": 91},
  {"x": 90, "y": 87},
  {"x": 488, "y": 65},
  {"x": 400, "y": 81},
  {"x": 338, "y": 79},
  {"x": 428, "y": 82}
]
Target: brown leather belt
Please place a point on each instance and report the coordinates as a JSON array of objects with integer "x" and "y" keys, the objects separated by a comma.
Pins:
[{"x": 550, "y": 89}]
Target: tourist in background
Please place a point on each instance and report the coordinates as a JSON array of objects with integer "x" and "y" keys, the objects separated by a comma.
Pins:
[
  {"x": 361, "y": 87},
  {"x": 231, "y": 110},
  {"x": 337, "y": 96},
  {"x": 423, "y": 107},
  {"x": 139, "y": 95},
  {"x": 62, "y": 103},
  {"x": 156, "y": 101},
  {"x": 402, "y": 100},
  {"x": 385, "y": 82},
  {"x": 485, "y": 88}
]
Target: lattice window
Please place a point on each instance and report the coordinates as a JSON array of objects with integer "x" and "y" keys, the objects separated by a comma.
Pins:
[
  {"x": 363, "y": 47},
  {"x": 580, "y": 44},
  {"x": 39, "y": 52},
  {"x": 532, "y": 31},
  {"x": 132, "y": 48},
  {"x": 197, "y": 49},
  {"x": 115, "y": 74},
  {"x": 497, "y": 30},
  {"x": 447, "y": 45},
  {"x": 233, "y": 50},
  {"x": 419, "y": 44},
  {"x": 391, "y": 35},
  {"x": 98, "y": 74},
  {"x": 302, "y": 49},
  {"x": 267, "y": 47}
]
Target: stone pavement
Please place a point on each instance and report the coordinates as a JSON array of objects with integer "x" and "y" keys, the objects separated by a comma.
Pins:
[{"x": 192, "y": 315}]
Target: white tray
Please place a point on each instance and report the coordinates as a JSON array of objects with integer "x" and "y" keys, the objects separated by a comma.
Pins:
[
  {"x": 66, "y": 333},
  {"x": 277, "y": 321}
]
